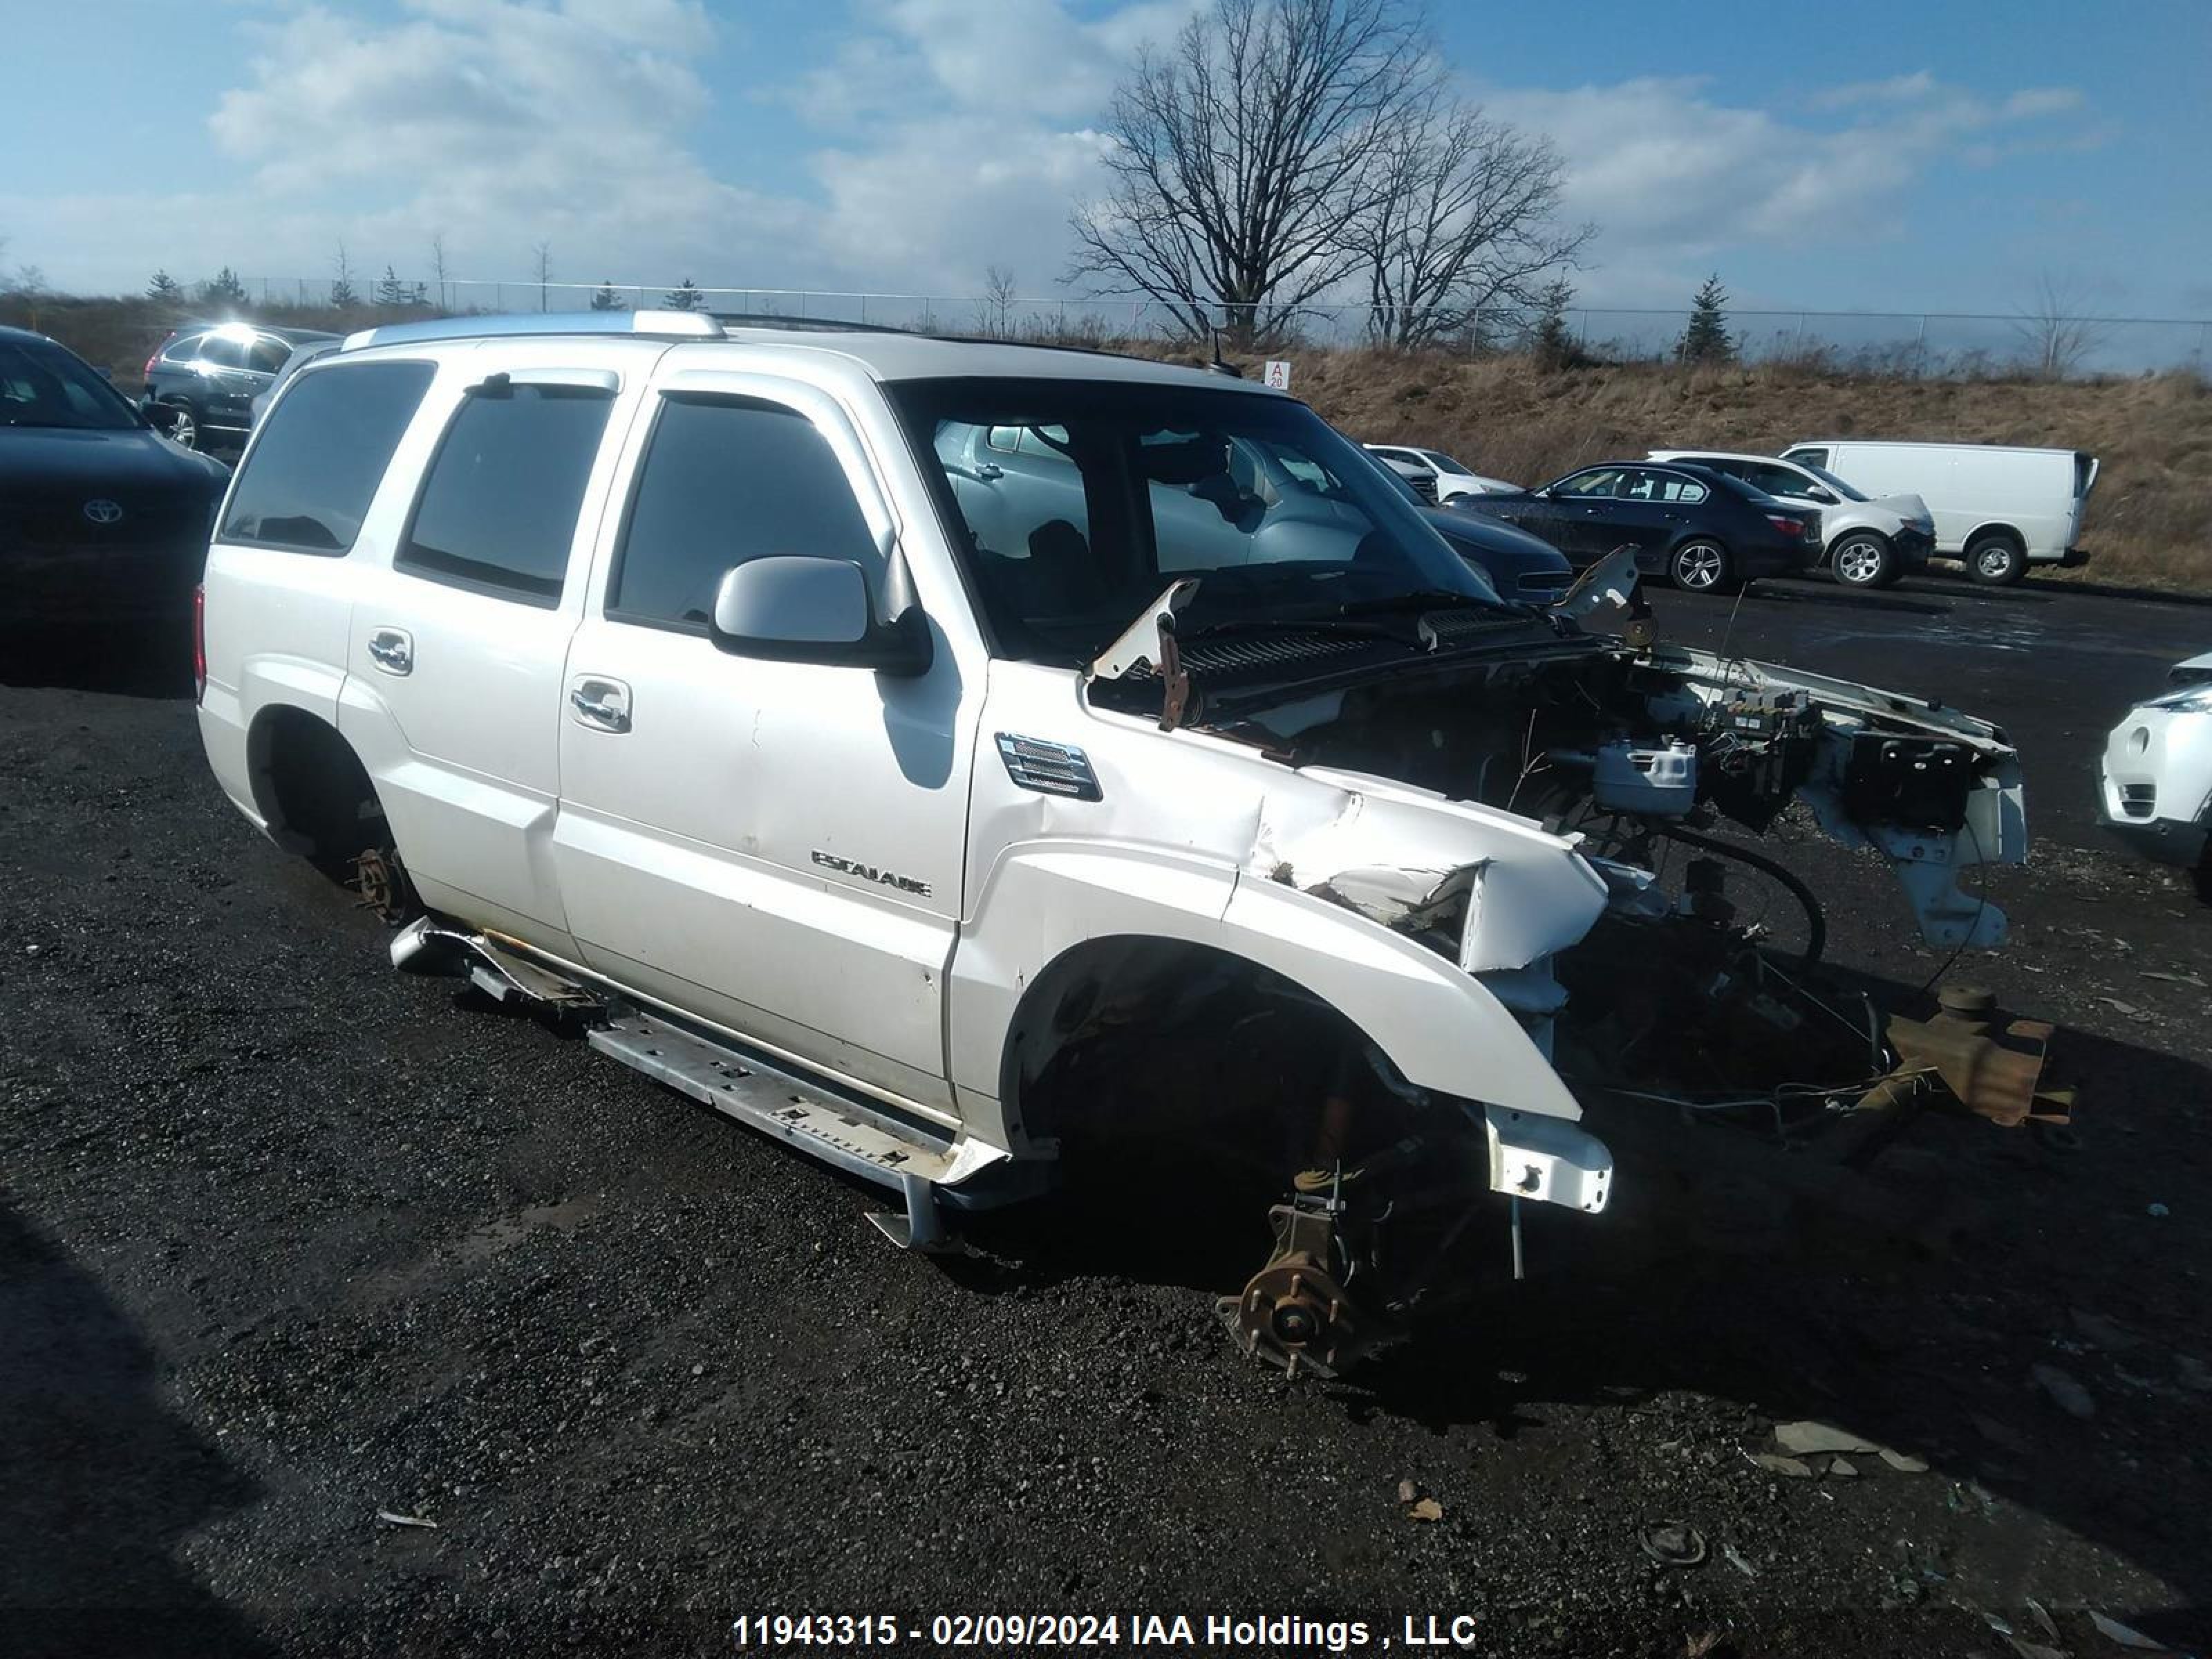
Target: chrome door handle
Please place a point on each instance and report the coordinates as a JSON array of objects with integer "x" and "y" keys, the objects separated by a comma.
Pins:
[
  {"x": 391, "y": 650},
  {"x": 604, "y": 704}
]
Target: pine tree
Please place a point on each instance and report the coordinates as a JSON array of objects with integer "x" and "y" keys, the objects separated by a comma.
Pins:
[
  {"x": 164, "y": 286},
  {"x": 1706, "y": 338},
  {"x": 224, "y": 289},
  {"x": 342, "y": 289},
  {"x": 389, "y": 290},
  {"x": 684, "y": 296},
  {"x": 1554, "y": 345},
  {"x": 607, "y": 299}
]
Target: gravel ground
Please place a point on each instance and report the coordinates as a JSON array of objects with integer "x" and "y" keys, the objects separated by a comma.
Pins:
[{"x": 286, "y": 1239}]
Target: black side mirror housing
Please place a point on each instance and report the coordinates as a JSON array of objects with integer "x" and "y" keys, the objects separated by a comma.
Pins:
[{"x": 789, "y": 609}]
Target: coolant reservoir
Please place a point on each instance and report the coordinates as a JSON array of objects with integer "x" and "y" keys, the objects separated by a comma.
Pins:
[{"x": 1656, "y": 782}]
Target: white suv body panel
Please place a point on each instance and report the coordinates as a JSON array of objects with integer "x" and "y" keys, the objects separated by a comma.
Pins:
[{"x": 836, "y": 865}]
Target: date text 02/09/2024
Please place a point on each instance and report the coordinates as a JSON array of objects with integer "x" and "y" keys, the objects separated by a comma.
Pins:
[{"x": 986, "y": 1631}]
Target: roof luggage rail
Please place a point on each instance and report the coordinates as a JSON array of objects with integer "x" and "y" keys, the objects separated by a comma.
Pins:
[{"x": 655, "y": 324}]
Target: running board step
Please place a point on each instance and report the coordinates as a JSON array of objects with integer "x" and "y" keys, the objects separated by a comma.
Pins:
[{"x": 777, "y": 1103}]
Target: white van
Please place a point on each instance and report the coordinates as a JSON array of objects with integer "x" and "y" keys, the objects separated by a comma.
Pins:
[{"x": 1999, "y": 508}]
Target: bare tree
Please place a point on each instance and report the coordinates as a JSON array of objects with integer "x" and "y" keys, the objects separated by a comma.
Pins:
[
  {"x": 1240, "y": 157},
  {"x": 438, "y": 268},
  {"x": 1459, "y": 234},
  {"x": 2054, "y": 328},
  {"x": 994, "y": 312},
  {"x": 543, "y": 253}
]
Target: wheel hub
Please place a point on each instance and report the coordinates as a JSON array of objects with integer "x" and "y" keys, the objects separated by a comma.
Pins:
[{"x": 1294, "y": 1312}]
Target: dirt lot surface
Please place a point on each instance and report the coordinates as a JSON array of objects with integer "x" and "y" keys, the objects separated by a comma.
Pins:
[{"x": 288, "y": 1239}]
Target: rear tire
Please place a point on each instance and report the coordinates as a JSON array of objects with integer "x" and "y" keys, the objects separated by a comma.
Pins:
[
  {"x": 187, "y": 433},
  {"x": 1864, "y": 559},
  {"x": 1995, "y": 560},
  {"x": 1701, "y": 565}
]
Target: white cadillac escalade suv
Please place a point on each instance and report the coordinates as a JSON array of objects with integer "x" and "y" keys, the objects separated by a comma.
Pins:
[{"x": 949, "y": 757}]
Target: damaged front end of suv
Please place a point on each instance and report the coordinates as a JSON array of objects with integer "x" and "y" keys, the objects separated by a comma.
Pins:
[{"x": 1571, "y": 818}]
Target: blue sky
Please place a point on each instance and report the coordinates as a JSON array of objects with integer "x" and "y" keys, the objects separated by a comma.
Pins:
[{"x": 1942, "y": 154}]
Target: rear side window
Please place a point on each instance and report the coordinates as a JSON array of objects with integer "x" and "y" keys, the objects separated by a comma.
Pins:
[
  {"x": 182, "y": 351},
  {"x": 726, "y": 480},
  {"x": 320, "y": 454},
  {"x": 1807, "y": 457},
  {"x": 498, "y": 510}
]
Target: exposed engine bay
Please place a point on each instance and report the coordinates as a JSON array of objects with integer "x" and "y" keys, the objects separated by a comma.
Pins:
[{"x": 1691, "y": 990}]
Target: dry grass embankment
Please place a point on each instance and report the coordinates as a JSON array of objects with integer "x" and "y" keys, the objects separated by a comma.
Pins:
[{"x": 2149, "y": 523}]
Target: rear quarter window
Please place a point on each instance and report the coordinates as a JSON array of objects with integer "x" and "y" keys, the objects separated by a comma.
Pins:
[
  {"x": 498, "y": 509},
  {"x": 320, "y": 454}
]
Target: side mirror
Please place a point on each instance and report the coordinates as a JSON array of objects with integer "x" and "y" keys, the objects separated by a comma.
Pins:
[
  {"x": 1825, "y": 497},
  {"x": 786, "y": 609}
]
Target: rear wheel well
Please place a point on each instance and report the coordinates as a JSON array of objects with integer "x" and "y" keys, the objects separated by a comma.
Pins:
[{"x": 313, "y": 791}]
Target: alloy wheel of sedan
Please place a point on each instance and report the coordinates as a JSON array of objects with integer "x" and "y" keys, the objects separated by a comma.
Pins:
[
  {"x": 1862, "y": 562},
  {"x": 1699, "y": 566}
]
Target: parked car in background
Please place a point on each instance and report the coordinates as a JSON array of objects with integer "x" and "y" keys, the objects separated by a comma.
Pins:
[
  {"x": 210, "y": 371},
  {"x": 1437, "y": 475},
  {"x": 1866, "y": 543},
  {"x": 1520, "y": 566},
  {"x": 102, "y": 519},
  {"x": 301, "y": 355},
  {"x": 1702, "y": 531},
  {"x": 2155, "y": 782},
  {"x": 2000, "y": 509}
]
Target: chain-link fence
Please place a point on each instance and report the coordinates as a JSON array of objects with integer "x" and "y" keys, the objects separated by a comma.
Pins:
[{"x": 1912, "y": 342}]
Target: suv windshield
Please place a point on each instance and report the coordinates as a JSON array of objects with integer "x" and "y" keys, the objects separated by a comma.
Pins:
[
  {"x": 1074, "y": 503},
  {"x": 45, "y": 386}
]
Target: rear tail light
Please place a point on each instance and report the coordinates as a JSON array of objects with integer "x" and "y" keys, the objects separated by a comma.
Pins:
[
  {"x": 199, "y": 643},
  {"x": 156, "y": 357},
  {"x": 1787, "y": 526}
]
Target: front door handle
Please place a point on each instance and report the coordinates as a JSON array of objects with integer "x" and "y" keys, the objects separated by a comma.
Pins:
[
  {"x": 600, "y": 703},
  {"x": 392, "y": 649}
]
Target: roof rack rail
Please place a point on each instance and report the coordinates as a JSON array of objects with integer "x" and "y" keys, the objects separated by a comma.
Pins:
[
  {"x": 804, "y": 324},
  {"x": 664, "y": 324}
]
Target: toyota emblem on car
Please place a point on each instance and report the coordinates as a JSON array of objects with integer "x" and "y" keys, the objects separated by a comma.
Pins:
[{"x": 103, "y": 512}]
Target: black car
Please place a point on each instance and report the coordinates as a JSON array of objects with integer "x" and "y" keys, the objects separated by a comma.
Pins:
[
  {"x": 1700, "y": 530},
  {"x": 210, "y": 373},
  {"x": 102, "y": 519},
  {"x": 1520, "y": 566}
]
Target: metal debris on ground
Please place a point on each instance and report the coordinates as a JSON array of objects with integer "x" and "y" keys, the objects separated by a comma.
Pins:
[
  {"x": 1808, "y": 1438},
  {"x": 2069, "y": 1396},
  {"x": 1673, "y": 1543},
  {"x": 1773, "y": 1463},
  {"x": 2113, "y": 1630},
  {"x": 392, "y": 1518},
  {"x": 1736, "y": 1559},
  {"x": 1843, "y": 1468},
  {"x": 1903, "y": 1463}
]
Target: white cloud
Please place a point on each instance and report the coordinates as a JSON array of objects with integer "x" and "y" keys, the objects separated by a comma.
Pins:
[{"x": 1674, "y": 176}]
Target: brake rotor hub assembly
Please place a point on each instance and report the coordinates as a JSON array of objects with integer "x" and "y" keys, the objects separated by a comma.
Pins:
[
  {"x": 1295, "y": 1313},
  {"x": 382, "y": 883}
]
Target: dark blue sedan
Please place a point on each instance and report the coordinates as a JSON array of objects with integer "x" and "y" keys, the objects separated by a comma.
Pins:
[{"x": 1700, "y": 530}]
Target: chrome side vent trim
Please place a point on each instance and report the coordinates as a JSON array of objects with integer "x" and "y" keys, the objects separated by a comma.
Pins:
[{"x": 1050, "y": 769}]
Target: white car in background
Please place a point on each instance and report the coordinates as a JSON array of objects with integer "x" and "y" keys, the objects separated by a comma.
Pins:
[
  {"x": 2154, "y": 783},
  {"x": 1864, "y": 542},
  {"x": 1437, "y": 475}
]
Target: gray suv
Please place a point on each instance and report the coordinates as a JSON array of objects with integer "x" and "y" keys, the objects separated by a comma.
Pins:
[{"x": 209, "y": 373}]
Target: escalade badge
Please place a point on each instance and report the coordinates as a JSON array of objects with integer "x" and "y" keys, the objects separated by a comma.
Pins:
[
  {"x": 103, "y": 512},
  {"x": 869, "y": 873}
]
